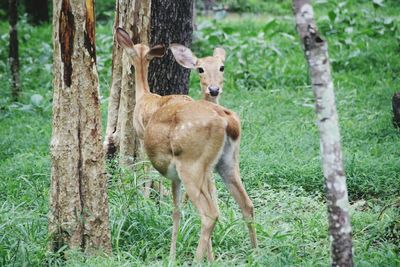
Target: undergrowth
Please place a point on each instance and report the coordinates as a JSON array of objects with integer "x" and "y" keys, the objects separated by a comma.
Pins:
[{"x": 267, "y": 85}]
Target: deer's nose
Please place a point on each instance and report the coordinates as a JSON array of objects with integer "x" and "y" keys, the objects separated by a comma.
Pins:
[{"x": 214, "y": 90}]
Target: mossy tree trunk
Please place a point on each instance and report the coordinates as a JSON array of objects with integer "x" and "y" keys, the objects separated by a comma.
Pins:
[
  {"x": 134, "y": 16},
  {"x": 13, "y": 57},
  {"x": 316, "y": 53},
  {"x": 78, "y": 197},
  {"x": 171, "y": 22}
]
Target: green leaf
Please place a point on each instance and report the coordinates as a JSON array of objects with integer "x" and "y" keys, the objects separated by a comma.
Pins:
[
  {"x": 26, "y": 108},
  {"x": 332, "y": 15},
  {"x": 228, "y": 30},
  {"x": 269, "y": 25},
  {"x": 377, "y": 3},
  {"x": 36, "y": 99},
  {"x": 213, "y": 40}
]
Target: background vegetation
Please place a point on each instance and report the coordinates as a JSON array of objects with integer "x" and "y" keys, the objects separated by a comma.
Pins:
[{"x": 267, "y": 85}]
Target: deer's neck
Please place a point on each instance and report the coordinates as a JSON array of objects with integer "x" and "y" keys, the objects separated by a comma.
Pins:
[{"x": 141, "y": 83}]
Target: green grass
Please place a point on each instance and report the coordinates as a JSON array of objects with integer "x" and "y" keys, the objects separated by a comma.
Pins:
[{"x": 267, "y": 85}]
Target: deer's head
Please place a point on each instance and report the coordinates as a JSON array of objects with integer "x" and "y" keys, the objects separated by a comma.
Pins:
[
  {"x": 140, "y": 53},
  {"x": 210, "y": 69}
]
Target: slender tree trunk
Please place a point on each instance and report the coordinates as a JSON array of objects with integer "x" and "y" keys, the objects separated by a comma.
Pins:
[
  {"x": 111, "y": 141},
  {"x": 137, "y": 25},
  {"x": 316, "y": 52},
  {"x": 171, "y": 22},
  {"x": 78, "y": 198},
  {"x": 134, "y": 16},
  {"x": 13, "y": 57},
  {"x": 37, "y": 10}
]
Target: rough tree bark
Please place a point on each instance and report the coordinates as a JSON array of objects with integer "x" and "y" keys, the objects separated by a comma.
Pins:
[
  {"x": 37, "y": 10},
  {"x": 171, "y": 22},
  {"x": 316, "y": 53},
  {"x": 134, "y": 16},
  {"x": 78, "y": 199},
  {"x": 13, "y": 57}
]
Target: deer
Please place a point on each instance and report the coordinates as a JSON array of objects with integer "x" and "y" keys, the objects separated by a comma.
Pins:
[
  {"x": 211, "y": 72},
  {"x": 185, "y": 141}
]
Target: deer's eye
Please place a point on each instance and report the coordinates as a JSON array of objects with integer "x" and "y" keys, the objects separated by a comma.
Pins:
[
  {"x": 221, "y": 69},
  {"x": 200, "y": 70}
]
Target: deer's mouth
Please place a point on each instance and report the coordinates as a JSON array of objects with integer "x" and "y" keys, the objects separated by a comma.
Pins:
[{"x": 214, "y": 93}]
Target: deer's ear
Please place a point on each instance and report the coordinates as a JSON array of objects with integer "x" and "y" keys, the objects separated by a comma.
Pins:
[
  {"x": 184, "y": 56},
  {"x": 156, "y": 51},
  {"x": 123, "y": 38},
  {"x": 220, "y": 52},
  {"x": 125, "y": 41}
]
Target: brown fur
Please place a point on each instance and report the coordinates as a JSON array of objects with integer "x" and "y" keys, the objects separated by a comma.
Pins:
[{"x": 233, "y": 122}]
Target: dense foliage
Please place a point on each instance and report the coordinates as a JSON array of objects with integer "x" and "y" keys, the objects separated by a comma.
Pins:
[{"x": 267, "y": 85}]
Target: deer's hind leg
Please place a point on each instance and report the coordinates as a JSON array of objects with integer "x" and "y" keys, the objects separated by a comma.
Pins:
[
  {"x": 194, "y": 166},
  {"x": 201, "y": 191},
  {"x": 228, "y": 168}
]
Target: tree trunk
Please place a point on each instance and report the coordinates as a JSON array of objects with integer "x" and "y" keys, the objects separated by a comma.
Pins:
[
  {"x": 13, "y": 57},
  {"x": 111, "y": 141},
  {"x": 396, "y": 109},
  {"x": 171, "y": 22},
  {"x": 78, "y": 198},
  {"x": 133, "y": 15},
  {"x": 37, "y": 10},
  {"x": 316, "y": 52}
]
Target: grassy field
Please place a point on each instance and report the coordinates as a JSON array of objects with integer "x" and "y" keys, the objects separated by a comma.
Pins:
[{"x": 267, "y": 85}]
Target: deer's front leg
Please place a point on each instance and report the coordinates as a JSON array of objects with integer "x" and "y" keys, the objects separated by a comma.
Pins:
[{"x": 176, "y": 215}]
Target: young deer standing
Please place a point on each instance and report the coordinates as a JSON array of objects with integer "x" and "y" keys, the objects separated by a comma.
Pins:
[
  {"x": 211, "y": 71},
  {"x": 185, "y": 141}
]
